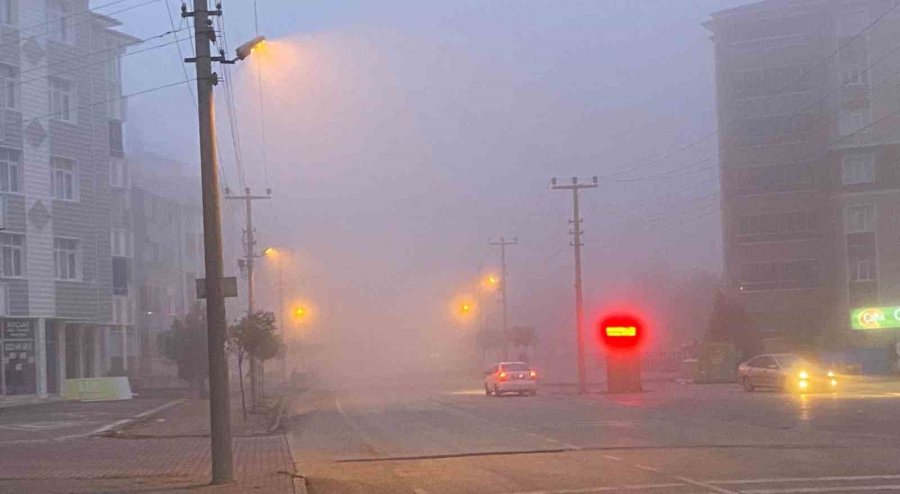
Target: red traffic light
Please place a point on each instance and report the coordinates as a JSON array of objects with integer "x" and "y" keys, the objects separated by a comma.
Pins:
[{"x": 620, "y": 331}]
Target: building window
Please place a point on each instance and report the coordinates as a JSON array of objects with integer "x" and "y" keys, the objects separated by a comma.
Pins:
[
  {"x": 65, "y": 258},
  {"x": 11, "y": 247},
  {"x": 7, "y": 12},
  {"x": 858, "y": 168},
  {"x": 58, "y": 20},
  {"x": 118, "y": 173},
  {"x": 774, "y": 178},
  {"x": 10, "y": 162},
  {"x": 63, "y": 180},
  {"x": 862, "y": 270},
  {"x": 123, "y": 313},
  {"x": 854, "y": 75},
  {"x": 781, "y": 226},
  {"x": 784, "y": 274},
  {"x": 121, "y": 242},
  {"x": 113, "y": 68},
  {"x": 859, "y": 219},
  {"x": 61, "y": 97},
  {"x": 114, "y": 105},
  {"x": 854, "y": 121},
  {"x": 9, "y": 86},
  {"x": 116, "y": 146}
]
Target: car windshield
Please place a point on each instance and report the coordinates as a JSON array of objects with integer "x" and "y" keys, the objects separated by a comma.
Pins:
[
  {"x": 515, "y": 367},
  {"x": 793, "y": 361}
]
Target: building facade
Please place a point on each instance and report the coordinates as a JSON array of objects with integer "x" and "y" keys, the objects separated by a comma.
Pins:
[
  {"x": 168, "y": 253},
  {"x": 810, "y": 163},
  {"x": 66, "y": 297}
]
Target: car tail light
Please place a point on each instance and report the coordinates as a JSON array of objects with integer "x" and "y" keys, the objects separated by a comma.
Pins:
[
  {"x": 533, "y": 374},
  {"x": 502, "y": 376}
]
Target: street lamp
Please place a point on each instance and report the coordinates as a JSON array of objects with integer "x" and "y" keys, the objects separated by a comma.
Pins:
[
  {"x": 276, "y": 256},
  {"x": 221, "y": 454}
]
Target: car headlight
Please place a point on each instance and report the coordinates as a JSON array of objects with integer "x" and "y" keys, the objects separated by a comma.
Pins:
[
  {"x": 830, "y": 374},
  {"x": 804, "y": 375}
]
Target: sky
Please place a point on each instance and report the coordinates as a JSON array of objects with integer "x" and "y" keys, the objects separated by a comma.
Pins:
[{"x": 400, "y": 137}]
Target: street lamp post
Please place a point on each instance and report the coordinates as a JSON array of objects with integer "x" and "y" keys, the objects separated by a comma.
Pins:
[
  {"x": 219, "y": 401},
  {"x": 276, "y": 256}
]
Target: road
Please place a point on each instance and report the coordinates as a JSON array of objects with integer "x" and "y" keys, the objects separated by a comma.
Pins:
[{"x": 670, "y": 439}]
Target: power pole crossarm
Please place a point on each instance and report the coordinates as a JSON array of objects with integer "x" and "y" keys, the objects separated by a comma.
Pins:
[{"x": 576, "y": 232}]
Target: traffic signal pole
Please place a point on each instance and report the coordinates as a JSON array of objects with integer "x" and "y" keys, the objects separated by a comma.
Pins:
[{"x": 576, "y": 232}]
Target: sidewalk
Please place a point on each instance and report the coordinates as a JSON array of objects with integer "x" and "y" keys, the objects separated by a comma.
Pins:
[{"x": 168, "y": 452}]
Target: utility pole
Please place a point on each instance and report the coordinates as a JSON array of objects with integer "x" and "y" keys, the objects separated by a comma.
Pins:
[
  {"x": 579, "y": 297},
  {"x": 219, "y": 400},
  {"x": 250, "y": 256},
  {"x": 505, "y": 324}
]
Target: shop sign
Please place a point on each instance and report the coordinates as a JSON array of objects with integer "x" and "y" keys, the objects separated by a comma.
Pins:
[
  {"x": 875, "y": 318},
  {"x": 18, "y": 329}
]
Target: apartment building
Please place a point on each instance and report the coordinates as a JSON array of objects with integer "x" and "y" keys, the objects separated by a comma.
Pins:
[
  {"x": 168, "y": 252},
  {"x": 66, "y": 298},
  {"x": 809, "y": 160}
]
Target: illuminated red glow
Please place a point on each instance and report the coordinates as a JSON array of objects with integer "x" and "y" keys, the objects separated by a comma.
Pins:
[
  {"x": 533, "y": 374},
  {"x": 621, "y": 332},
  {"x": 502, "y": 376}
]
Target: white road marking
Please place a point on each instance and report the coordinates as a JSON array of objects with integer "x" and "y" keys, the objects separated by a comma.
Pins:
[
  {"x": 802, "y": 479},
  {"x": 611, "y": 457},
  {"x": 122, "y": 422},
  {"x": 686, "y": 480},
  {"x": 811, "y": 490},
  {"x": 610, "y": 488},
  {"x": 419, "y": 490}
]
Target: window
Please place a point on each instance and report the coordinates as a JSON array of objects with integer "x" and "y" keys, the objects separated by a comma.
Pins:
[
  {"x": 121, "y": 275},
  {"x": 854, "y": 121},
  {"x": 7, "y": 12},
  {"x": 118, "y": 173},
  {"x": 114, "y": 105},
  {"x": 853, "y": 75},
  {"x": 63, "y": 181},
  {"x": 9, "y": 86},
  {"x": 121, "y": 242},
  {"x": 113, "y": 68},
  {"x": 61, "y": 96},
  {"x": 859, "y": 219},
  {"x": 783, "y": 274},
  {"x": 116, "y": 146},
  {"x": 779, "y": 226},
  {"x": 2, "y": 213},
  {"x": 122, "y": 311},
  {"x": 862, "y": 270},
  {"x": 58, "y": 21},
  {"x": 858, "y": 168},
  {"x": 774, "y": 178},
  {"x": 10, "y": 162},
  {"x": 11, "y": 255},
  {"x": 852, "y": 22},
  {"x": 65, "y": 258}
]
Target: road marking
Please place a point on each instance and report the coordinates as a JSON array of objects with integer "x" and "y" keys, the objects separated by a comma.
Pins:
[
  {"x": 119, "y": 423},
  {"x": 611, "y": 457},
  {"x": 686, "y": 480},
  {"x": 802, "y": 479},
  {"x": 419, "y": 490},
  {"x": 845, "y": 488},
  {"x": 586, "y": 490},
  {"x": 368, "y": 445}
]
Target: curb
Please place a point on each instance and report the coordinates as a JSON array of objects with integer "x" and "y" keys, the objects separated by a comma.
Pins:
[
  {"x": 116, "y": 427},
  {"x": 276, "y": 423}
]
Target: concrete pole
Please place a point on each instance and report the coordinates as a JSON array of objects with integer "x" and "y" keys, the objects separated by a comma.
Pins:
[
  {"x": 219, "y": 400},
  {"x": 505, "y": 321}
]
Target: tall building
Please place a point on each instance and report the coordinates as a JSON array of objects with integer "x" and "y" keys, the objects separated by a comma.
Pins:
[
  {"x": 810, "y": 163},
  {"x": 66, "y": 300},
  {"x": 168, "y": 251}
]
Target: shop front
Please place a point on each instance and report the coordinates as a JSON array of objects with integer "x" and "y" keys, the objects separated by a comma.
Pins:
[{"x": 18, "y": 340}]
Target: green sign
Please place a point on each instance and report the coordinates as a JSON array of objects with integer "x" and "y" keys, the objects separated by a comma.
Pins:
[
  {"x": 875, "y": 318},
  {"x": 97, "y": 389}
]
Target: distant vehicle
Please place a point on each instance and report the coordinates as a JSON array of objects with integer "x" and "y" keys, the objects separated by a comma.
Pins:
[
  {"x": 785, "y": 371},
  {"x": 510, "y": 377}
]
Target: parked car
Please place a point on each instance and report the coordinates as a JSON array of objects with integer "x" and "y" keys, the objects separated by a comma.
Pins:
[
  {"x": 510, "y": 377},
  {"x": 785, "y": 371}
]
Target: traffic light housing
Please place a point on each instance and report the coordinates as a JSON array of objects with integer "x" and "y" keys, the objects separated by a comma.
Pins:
[{"x": 620, "y": 332}]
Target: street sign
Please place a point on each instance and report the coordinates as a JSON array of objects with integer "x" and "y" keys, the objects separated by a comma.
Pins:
[
  {"x": 230, "y": 285},
  {"x": 868, "y": 318},
  {"x": 621, "y": 331}
]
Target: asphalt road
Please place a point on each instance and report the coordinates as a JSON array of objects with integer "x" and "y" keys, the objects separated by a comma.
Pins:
[
  {"x": 670, "y": 439},
  {"x": 61, "y": 420}
]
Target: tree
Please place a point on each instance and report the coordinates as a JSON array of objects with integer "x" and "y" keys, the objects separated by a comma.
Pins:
[
  {"x": 185, "y": 345},
  {"x": 729, "y": 322},
  {"x": 254, "y": 337}
]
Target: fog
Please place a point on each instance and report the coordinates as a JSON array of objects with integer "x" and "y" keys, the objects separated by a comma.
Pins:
[{"x": 400, "y": 139}]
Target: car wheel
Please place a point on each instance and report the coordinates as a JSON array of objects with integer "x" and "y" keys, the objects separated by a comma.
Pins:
[
  {"x": 496, "y": 391},
  {"x": 487, "y": 390},
  {"x": 746, "y": 384}
]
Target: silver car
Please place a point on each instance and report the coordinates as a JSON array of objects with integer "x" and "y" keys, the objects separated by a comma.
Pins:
[
  {"x": 510, "y": 377},
  {"x": 785, "y": 371}
]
